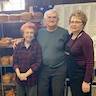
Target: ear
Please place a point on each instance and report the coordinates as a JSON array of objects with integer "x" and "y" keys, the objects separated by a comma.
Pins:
[{"x": 58, "y": 19}]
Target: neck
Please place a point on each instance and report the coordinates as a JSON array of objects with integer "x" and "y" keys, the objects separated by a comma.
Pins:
[
  {"x": 27, "y": 44},
  {"x": 51, "y": 29},
  {"x": 76, "y": 33}
]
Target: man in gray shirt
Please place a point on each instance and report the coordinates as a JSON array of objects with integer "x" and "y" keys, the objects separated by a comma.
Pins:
[{"x": 52, "y": 39}]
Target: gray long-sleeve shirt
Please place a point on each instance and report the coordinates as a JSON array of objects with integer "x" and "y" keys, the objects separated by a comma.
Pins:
[{"x": 53, "y": 45}]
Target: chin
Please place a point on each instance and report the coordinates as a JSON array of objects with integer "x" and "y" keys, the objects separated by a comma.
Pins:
[
  {"x": 74, "y": 30},
  {"x": 28, "y": 40},
  {"x": 52, "y": 24}
]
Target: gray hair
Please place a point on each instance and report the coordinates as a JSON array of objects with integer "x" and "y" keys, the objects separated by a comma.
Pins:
[{"x": 50, "y": 11}]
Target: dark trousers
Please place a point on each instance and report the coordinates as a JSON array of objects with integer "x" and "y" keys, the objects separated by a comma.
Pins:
[
  {"x": 76, "y": 88},
  {"x": 51, "y": 79},
  {"x": 26, "y": 90}
]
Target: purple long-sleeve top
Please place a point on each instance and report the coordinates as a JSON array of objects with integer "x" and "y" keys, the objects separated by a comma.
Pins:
[
  {"x": 24, "y": 59},
  {"x": 83, "y": 54}
]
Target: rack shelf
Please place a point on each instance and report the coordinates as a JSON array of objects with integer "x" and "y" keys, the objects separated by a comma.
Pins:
[{"x": 11, "y": 30}]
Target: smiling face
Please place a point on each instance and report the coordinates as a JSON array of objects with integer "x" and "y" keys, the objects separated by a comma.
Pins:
[
  {"x": 76, "y": 24},
  {"x": 28, "y": 34},
  {"x": 51, "y": 19}
]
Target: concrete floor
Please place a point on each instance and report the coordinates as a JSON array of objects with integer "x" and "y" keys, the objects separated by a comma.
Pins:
[{"x": 69, "y": 92}]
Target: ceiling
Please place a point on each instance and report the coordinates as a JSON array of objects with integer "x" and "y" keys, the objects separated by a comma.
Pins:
[{"x": 56, "y": 2}]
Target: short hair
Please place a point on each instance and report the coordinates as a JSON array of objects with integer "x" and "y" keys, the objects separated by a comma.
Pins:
[
  {"x": 28, "y": 25},
  {"x": 79, "y": 14},
  {"x": 50, "y": 11}
]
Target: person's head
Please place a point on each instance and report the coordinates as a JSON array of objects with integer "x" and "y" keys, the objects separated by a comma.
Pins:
[
  {"x": 51, "y": 18},
  {"x": 77, "y": 21},
  {"x": 28, "y": 29}
]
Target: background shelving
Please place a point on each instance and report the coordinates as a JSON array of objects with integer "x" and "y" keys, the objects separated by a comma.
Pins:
[{"x": 9, "y": 30}]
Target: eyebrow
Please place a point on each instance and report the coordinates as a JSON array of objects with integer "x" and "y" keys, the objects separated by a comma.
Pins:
[{"x": 52, "y": 16}]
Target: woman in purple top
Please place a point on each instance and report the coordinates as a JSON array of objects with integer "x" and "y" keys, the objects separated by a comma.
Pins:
[
  {"x": 26, "y": 60},
  {"x": 80, "y": 55}
]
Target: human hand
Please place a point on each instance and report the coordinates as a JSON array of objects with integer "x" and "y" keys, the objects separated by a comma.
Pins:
[
  {"x": 14, "y": 44},
  {"x": 85, "y": 87},
  {"x": 16, "y": 41},
  {"x": 22, "y": 76}
]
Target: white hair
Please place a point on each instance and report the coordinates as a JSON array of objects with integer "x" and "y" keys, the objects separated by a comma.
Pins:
[{"x": 50, "y": 11}]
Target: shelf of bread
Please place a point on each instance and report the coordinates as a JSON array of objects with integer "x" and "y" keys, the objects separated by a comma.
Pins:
[
  {"x": 8, "y": 79},
  {"x": 10, "y": 92},
  {"x": 9, "y": 42},
  {"x": 6, "y": 61},
  {"x": 24, "y": 16}
]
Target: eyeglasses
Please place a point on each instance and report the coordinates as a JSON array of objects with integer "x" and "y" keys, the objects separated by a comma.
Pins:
[
  {"x": 76, "y": 22},
  {"x": 53, "y": 17}
]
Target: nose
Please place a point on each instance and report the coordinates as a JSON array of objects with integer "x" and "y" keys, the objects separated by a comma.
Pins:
[{"x": 51, "y": 19}]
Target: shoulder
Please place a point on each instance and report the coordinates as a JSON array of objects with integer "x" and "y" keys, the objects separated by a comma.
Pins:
[
  {"x": 63, "y": 31},
  {"x": 18, "y": 47},
  {"x": 86, "y": 37},
  {"x": 41, "y": 32},
  {"x": 35, "y": 43},
  {"x": 42, "y": 29}
]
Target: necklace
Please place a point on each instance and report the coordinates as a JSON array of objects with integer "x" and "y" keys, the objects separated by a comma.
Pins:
[{"x": 74, "y": 36}]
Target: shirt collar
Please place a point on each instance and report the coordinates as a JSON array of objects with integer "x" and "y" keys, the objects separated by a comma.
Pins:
[{"x": 23, "y": 45}]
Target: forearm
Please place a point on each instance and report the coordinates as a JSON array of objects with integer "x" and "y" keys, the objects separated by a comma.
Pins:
[
  {"x": 29, "y": 72},
  {"x": 88, "y": 73},
  {"x": 17, "y": 71}
]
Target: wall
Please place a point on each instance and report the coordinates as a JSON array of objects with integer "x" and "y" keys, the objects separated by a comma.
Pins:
[{"x": 65, "y": 10}]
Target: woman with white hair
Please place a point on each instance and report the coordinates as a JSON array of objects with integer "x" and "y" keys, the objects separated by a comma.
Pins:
[{"x": 26, "y": 61}]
